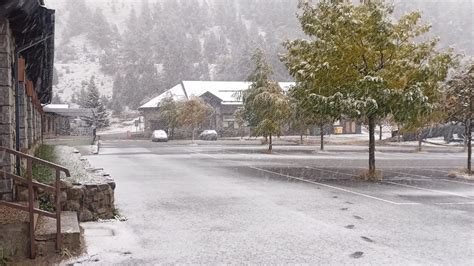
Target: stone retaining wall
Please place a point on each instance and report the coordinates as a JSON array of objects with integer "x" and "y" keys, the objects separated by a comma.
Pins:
[
  {"x": 7, "y": 106},
  {"x": 90, "y": 201}
]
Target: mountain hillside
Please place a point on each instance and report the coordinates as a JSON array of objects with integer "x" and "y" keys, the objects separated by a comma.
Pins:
[{"x": 136, "y": 49}]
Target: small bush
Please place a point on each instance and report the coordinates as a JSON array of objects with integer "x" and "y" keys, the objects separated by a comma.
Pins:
[
  {"x": 46, "y": 203},
  {"x": 3, "y": 257},
  {"x": 452, "y": 174},
  {"x": 365, "y": 175}
]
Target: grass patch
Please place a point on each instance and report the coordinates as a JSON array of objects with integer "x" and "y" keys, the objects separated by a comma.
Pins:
[
  {"x": 46, "y": 204},
  {"x": 43, "y": 173},
  {"x": 3, "y": 257},
  {"x": 367, "y": 176}
]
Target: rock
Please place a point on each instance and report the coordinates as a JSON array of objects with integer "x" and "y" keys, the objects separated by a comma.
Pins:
[
  {"x": 63, "y": 196},
  {"x": 102, "y": 187},
  {"x": 90, "y": 185},
  {"x": 101, "y": 210},
  {"x": 64, "y": 184},
  {"x": 75, "y": 193},
  {"x": 72, "y": 205},
  {"x": 111, "y": 184},
  {"x": 94, "y": 206},
  {"x": 22, "y": 194},
  {"x": 85, "y": 216},
  {"x": 40, "y": 191}
]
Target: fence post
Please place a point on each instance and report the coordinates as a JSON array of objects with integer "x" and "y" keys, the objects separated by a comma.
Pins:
[
  {"x": 59, "y": 239},
  {"x": 29, "y": 173}
]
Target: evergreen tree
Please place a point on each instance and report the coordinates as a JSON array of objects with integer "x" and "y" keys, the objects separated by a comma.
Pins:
[
  {"x": 93, "y": 101},
  {"x": 100, "y": 32},
  {"x": 56, "y": 99},
  {"x": 78, "y": 19}
]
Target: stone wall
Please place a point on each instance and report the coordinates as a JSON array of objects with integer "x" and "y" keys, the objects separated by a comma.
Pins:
[
  {"x": 14, "y": 233},
  {"x": 90, "y": 201},
  {"x": 14, "y": 240},
  {"x": 23, "y": 117},
  {"x": 7, "y": 105},
  {"x": 29, "y": 116}
]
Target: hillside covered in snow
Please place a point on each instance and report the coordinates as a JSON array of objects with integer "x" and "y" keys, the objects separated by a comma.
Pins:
[{"x": 136, "y": 49}]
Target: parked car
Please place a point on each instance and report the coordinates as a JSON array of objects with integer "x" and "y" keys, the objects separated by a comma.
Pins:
[
  {"x": 208, "y": 135},
  {"x": 159, "y": 135}
]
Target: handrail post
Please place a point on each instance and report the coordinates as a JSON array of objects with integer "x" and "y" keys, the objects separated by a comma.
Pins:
[
  {"x": 29, "y": 172},
  {"x": 31, "y": 197},
  {"x": 59, "y": 239}
]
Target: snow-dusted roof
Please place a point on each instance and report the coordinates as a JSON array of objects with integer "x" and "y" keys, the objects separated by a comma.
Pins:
[
  {"x": 56, "y": 106},
  {"x": 227, "y": 91},
  {"x": 70, "y": 112},
  {"x": 176, "y": 92}
]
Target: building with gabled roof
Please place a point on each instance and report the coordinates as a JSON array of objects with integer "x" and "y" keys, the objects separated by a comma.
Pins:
[{"x": 223, "y": 96}]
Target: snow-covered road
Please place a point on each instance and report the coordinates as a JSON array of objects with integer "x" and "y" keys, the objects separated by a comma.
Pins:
[{"x": 205, "y": 204}]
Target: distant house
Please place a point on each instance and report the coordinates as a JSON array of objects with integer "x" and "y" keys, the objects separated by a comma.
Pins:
[
  {"x": 223, "y": 96},
  {"x": 61, "y": 120}
]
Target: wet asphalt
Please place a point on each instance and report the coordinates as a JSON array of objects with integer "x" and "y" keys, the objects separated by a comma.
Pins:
[{"x": 214, "y": 203}]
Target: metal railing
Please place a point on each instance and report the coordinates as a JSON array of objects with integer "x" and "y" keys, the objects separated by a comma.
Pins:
[{"x": 30, "y": 208}]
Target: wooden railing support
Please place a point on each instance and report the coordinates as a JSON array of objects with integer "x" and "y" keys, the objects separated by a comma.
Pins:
[
  {"x": 30, "y": 160},
  {"x": 59, "y": 239},
  {"x": 31, "y": 202}
]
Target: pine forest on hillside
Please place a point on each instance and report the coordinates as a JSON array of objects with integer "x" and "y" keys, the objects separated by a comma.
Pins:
[{"x": 141, "y": 48}]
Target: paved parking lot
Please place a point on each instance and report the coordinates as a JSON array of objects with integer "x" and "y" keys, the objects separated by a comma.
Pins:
[
  {"x": 223, "y": 203},
  {"x": 408, "y": 178}
]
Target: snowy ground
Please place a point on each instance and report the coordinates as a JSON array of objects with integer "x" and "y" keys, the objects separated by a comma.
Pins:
[
  {"x": 81, "y": 171},
  {"x": 118, "y": 127},
  {"x": 221, "y": 204}
]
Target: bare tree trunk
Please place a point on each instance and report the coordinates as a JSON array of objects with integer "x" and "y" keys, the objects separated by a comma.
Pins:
[
  {"x": 380, "y": 128},
  {"x": 372, "y": 173},
  {"x": 420, "y": 138},
  {"x": 301, "y": 137},
  {"x": 469, "y": 146},
  {"x": 398, "y": 133},
  {"x": 321, "y": 132},
  {"x": 193, "y": 135},
  {"x": 466, "y": 130},
  {"x": 270, "y": 144}
]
